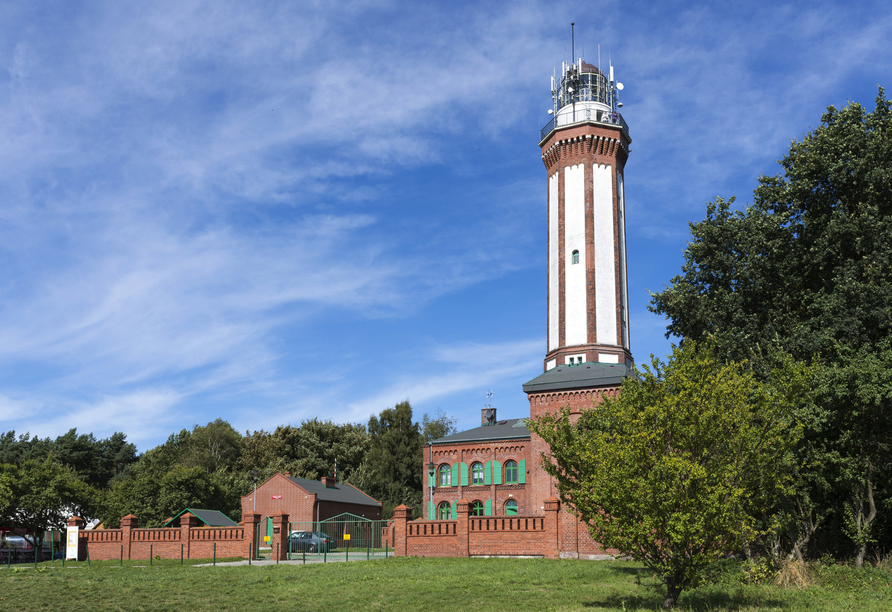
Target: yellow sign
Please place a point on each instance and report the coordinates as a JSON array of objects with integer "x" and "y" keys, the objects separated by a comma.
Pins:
[
  {"x": 266, "y": 538},
  {"x": 346, "y": 536}
]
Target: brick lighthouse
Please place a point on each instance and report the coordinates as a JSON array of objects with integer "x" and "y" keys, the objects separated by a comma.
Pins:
[{"x": 584, "y": 149}]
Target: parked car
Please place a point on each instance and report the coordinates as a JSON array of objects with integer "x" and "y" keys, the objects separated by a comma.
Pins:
[
  {"x": 16, "y": 541},
  {"x": 310, "y": 541}
]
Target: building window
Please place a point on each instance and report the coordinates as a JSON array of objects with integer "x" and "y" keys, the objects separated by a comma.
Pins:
[
  {"x": 445, "y": 476},
  {"x": 477, "y": 508},
  {"x": 510, "y": 472},
  {"x": 576, "y": 257},
  {"x": 510, "y": 508},
  {"x": 477, "y": 473},
  {"x": 443, "y": 511}
]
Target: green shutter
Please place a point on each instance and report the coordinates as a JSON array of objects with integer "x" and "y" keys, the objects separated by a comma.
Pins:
[
  {"x": 463, "y": 468},
  {"x": 431, "y": 511},
  {"x": 487, "y": 473},
  {"x": 454, "y": 475},
  {"x": 453, "y": 508},
  {"x": 497, "y": 472},
  {"x": 431, "y": 479},
  {"x": 522, "y": 471},
  {"x": 487, "y": 508}
]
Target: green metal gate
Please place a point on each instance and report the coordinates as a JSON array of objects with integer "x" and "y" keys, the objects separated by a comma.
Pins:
[
  {"x": 263, "y": 538},
  {"x": 345, "y": 537}
]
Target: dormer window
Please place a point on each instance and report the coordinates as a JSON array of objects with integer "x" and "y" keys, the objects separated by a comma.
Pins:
[{"x": 575, "y": 257}]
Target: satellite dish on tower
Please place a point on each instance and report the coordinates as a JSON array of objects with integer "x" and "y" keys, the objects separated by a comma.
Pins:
[{"x": 619, "y": 86}]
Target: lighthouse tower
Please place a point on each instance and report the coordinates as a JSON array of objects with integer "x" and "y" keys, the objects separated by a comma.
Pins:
[{"x": 584, "y": 147}]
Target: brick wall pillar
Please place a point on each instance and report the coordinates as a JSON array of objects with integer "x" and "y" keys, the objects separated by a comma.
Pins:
[
  {"x": 463, "y": 514},
  {"x": 78, "y": 522},
  {"x": 128, "y": 524},
  {"x": 249, "y": 544},
  {"x": 402, "y": 514},
  {"x": 552, "y": 528},
  {"x": 280, "y": 535},
  {"x": 187, "y": 522}
]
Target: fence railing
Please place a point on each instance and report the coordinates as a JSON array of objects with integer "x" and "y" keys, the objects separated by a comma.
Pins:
[{"x": 584, "y": 115}]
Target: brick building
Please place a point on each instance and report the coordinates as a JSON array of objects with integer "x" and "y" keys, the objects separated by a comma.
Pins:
[
  {"x": 308, "y": 501},
  {"x": 487, "y": 465},
  {"x": 584, "y": 149}
]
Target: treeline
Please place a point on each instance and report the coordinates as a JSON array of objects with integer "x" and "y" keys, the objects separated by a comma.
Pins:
[
  {"x": 805, "y": 272},
  {"x": 43, "y": 481}
]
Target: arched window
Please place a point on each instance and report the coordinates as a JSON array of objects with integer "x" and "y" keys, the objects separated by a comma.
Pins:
[
  {"x": 477, "y": 473},
  {"x": 510, "y": 472},
  {"x": 510, "y": 508},
  {"x": 445, "y": 475},
  {"x": 444, "y": 511},
  {"x": 476, "y": 508},
  {"x": 576, "y": 257}
]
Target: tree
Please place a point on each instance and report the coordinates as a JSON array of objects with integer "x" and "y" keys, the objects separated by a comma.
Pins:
[
  {"x": 41, "y": 496},
  {"x": 308, "y": 451},
  {"x": 678, "y": 470},
  {"x": 212, "y": 447},
  {"x": 393, "y": 457},
  {"x": 437, "y": 426},
  {"x": 808, "y": 268}
]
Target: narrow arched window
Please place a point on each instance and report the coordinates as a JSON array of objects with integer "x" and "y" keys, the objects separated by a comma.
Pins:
[
  {"x": 477, "y": 508},
  {"x": 576, "y": 257},
  {"x": 445, "y": 475},
  {"x": 444, "y": 510},
  {"x": 511, "y": 508},
  {"x": 510, "y": 472},
  {"x": 477, "y": 473}
]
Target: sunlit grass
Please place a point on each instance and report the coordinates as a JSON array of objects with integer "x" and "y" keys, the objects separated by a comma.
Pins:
[{"x": 415, "y": 584}]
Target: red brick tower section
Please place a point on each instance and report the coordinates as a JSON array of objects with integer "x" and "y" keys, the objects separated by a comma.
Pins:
[{"x": 587, "y": 159}]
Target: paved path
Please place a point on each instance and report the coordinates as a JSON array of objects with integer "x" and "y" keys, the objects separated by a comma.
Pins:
[{"x": 298, "y": 561}]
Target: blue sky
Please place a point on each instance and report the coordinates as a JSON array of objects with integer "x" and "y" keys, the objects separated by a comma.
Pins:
[{"x": 271, "y": 211}]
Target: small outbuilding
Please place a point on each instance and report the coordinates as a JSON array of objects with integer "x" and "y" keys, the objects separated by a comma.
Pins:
[
  {"x": 308, "y": 502},
  {"x": 208, "y": 518}
]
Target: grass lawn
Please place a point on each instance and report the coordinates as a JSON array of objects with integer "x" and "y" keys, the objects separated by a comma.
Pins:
[{"x": 414, "y": 584}]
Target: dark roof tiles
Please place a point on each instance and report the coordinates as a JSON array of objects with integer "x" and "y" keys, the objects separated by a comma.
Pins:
[
  {"x": 510, "y": 429},
  {"x": 341, "y": 492}
]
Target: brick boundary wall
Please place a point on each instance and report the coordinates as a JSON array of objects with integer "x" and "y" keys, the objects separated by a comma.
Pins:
[
  {"x": 190, "y": 540},
  {"x": 471, "y": 536}
]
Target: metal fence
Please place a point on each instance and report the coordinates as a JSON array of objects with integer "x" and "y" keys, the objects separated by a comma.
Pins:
[
  {"x": 584, "y": 115},
  {"x": 342, "y": 538}
]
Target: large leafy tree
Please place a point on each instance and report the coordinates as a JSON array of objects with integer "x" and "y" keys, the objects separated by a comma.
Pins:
[
  {"x": 307, "y": 451},
  {"x": 808, "y": 268},
  {"x": 393, "y": 457},
  {"x": 37, "y": 496},
  {"x": 681, "y": 468}
]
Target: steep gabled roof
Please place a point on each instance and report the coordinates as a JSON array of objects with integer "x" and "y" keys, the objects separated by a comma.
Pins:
[{"x": 345, "y": 493}]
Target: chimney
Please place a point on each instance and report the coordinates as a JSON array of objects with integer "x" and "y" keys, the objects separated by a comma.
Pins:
[
  {"x": 328, "y": 482},
  {"x": 488, "y": 416},
  {"x": 287, "y": 474}
]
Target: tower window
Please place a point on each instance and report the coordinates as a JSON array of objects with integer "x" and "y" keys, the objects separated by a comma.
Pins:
[{"x": 576, "y": 257}]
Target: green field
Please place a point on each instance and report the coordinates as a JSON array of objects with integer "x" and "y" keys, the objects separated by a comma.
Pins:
[{"x": 417, "y": 584}]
